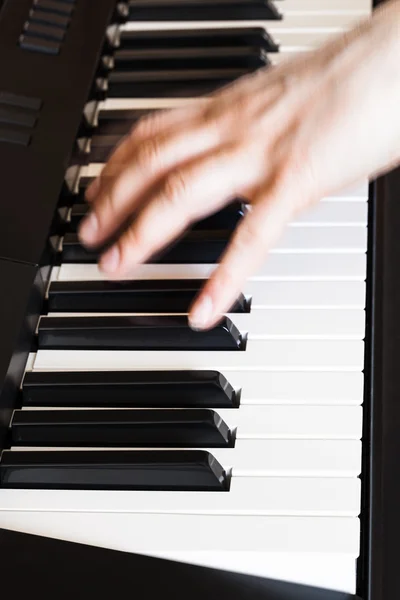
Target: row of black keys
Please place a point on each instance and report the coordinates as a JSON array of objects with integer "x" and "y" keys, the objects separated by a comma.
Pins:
[
  {"x": 184, "y": 470},
  {"x": 181, "y": 63}
]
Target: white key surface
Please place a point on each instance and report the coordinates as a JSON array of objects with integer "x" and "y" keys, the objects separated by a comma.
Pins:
[
  {"x": 268, "y": 496},
  {"x": 293, "y": 267},
  {"x": 259, "y": 355}
]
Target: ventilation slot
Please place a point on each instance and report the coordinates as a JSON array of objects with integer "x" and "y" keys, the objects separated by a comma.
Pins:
[
  {"x": 18, "y": 118},
  {"x": 46, "y": 27}
]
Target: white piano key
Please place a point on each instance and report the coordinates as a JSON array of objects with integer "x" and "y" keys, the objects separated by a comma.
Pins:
[
  {"x": 268, "y": 496},
  {"x": 273, "y": 323},
  {"x": 295, "y": 422},
  {"x": 275, "y": 458},
  {"x": 297, "y": 387},
  {"x": 334, "y": 213},
  {"x": 261, "y": 355},
  {"x": 281, "y": 294},
  {"x": 277, "y": 267},
  {"x": 291, "y": 23},
  {"x": 139, "y": 104},
  {"x": 321, "y": 6},
  {"x": 200, "y": 533},
  {"x": 328, "y": 238}
]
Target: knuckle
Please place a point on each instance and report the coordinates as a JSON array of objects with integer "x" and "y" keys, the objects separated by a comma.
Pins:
[
  {"x": 142, "y": 127},
  {"x": 175, "y": 188},
  {"x": 148, "y": 154}
]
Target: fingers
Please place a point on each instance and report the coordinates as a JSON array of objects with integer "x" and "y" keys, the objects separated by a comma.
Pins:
[
  {"x": 258, "y": 232},
  {"x": 186, "y": 194},
  {"x": 154, "y": 124},
  {"x": 145, "y": 164}
]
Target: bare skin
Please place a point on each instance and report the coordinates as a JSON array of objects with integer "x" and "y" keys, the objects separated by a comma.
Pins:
[{"x": 282, "y": 138}]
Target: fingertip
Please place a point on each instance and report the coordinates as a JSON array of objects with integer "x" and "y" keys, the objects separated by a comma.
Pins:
[
  {"x": 88, "y": 229},
  {"x": 110, "y": 261},
  {"x": 201, "y": 315}
]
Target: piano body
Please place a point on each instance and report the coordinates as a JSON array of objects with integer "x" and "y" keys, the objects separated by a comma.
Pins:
[{"x": 258, "y": 460}]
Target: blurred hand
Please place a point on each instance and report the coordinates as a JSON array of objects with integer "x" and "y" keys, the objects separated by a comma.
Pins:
[{"x": 282, "y": 138}]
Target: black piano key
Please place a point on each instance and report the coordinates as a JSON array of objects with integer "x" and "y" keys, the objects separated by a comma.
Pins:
[
  {"x": 128, "y": 389},
  {"x": 201, "y": 247},
  {"x": 197, "y": 38},
  {"x": 119, "y": 122},
  {"x": 202, "y": 10},
  {"x": 227, "y": 218},
  {"x": 189, "y": 58},
  {"x": 135, "y": 333},
  {"x": 177, "y": 83},
  {"x": 131, "y": 296},
  {"x": 168, "y": 470},
  {"x": 193, "y": 428}
]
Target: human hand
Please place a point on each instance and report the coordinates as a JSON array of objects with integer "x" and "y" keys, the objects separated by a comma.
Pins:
[{"x": 282, "y": 138}]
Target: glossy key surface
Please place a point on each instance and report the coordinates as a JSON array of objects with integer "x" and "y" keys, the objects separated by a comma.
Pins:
[
  {"x": 186, "y": 470},
  {"x": 135, "y": 333},
  {"x": 128, "y": 389}
]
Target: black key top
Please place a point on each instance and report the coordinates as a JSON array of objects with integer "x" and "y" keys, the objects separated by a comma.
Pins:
[
  {"x": 196, "y": 428},
  {"x": 131, "y": 296},
  {"x": 167, "y": 470},
  {"x": 201, "y": 247},
  {"x": 128, "y": 389},
  {"x": 197, "y": 38},
  {"x": 226, "y": 218},
  {"x": 189, "y": 58},
  {"x": 135, "y": 333},
  {"x": 182, "y": 83},
  {"x": 201, "y": 10}
]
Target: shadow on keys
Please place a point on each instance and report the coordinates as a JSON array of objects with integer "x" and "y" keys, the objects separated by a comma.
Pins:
[{"x": 41, "y": 568}]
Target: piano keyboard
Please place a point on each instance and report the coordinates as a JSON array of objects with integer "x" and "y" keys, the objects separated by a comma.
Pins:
[{"x": 238, "y": 448}]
